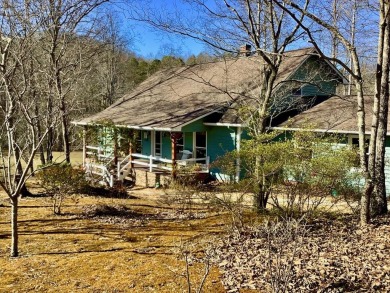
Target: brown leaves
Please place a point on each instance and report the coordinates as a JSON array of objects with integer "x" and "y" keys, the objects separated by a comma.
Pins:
[{"x": 329, "y": 257}]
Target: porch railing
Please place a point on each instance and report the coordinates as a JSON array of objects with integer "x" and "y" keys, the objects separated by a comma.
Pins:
[
  {"x": 99, "y": 155},
  {"x": 102, "y": 164},
  {"x": 198, "y": 165},
  {"x": 102, "y": 171}
]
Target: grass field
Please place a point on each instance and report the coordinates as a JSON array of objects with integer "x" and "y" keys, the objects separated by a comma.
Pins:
[
  {"x": 72, "y": 253},
  {"x": 76, "y": 158}
]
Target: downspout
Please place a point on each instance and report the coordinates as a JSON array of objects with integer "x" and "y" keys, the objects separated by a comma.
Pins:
[{"x": 238, "y": 147}]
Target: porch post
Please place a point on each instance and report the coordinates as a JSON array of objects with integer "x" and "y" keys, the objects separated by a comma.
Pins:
[
  {"x": 238, "y": 147},
  {"x": 131, "y": 148},
  {"x": 115, "y": 146},
  {"x": 174, "y": 137},
  {"x": 84, "y": 145}
]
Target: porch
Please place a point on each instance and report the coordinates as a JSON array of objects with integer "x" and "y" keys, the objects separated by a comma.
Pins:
[{"x": 146, "y": 170}]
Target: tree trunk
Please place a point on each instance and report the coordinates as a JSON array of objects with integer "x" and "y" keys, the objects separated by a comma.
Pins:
[
  {"x": 379, "y": 201},
  {"x": 65, "y": 136},
  {"x": 50, "y": 133},
  {"x": 14, "y": 226},
  {"x": 39, "y": 134}
]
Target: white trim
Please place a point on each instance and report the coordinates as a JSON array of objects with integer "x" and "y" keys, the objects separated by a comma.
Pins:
[
  {"x": 194, "y": 144},
  {"x": 223, "y": 124},
  {"x": 152, "y": 138},
  {"x": 126, "y": 126},
  {"x": 321, "y": 130},
  {"x": 147, "y": 128},
  {"x": 238, "y": 147},
  {"x": 154, "y": 132}
]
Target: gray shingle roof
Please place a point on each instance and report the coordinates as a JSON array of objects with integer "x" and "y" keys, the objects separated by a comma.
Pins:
[
  {"x": 336, "y": 114},
  {"x": 172, "y": 98}
]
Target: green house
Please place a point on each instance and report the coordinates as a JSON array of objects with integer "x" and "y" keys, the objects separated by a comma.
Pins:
[
  {"x": 338, "y": 115},
  {"x": 189, "y": 116}
]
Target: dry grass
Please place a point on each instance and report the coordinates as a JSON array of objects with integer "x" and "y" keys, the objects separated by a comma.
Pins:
[
  {"x": 72, "y": 253},
  {"x": 76, "y": 158}
]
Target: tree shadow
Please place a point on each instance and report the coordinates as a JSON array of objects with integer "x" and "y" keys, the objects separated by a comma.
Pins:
[{"x": 77, "y": 252}]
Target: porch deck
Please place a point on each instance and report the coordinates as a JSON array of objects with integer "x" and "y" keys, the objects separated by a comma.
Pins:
[{"x": 148, "y": 171}]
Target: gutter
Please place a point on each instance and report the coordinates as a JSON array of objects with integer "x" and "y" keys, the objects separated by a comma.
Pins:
[
  {"x": 224, "y": 124},
  {"x": 321, "y": 130},
  {"x": 127, "y": 126}
]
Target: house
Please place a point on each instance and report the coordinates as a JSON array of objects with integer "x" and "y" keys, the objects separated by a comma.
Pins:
[
  {"x": 338, "y": 115},
  {"x": 189, "y": 116}
]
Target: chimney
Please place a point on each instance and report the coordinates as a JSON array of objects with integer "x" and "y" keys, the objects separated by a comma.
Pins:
[{"x": 245, "y": 50}]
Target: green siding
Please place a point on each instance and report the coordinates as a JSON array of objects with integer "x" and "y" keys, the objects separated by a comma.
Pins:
[
  {"x": 220, "y": 140},
  {"x": 166, "y": 151},
  {"x": 321, "y": 81},
  {"x": 188, "y": 141},
  {"x": 196, "y": 126},
  {"x": 325, "y": 88},
  {"x": 318, "y": 73},
  {"x": 146, "y": 143}
]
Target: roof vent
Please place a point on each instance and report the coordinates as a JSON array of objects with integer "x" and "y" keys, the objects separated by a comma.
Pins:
[{"x": 245, "y": 50}]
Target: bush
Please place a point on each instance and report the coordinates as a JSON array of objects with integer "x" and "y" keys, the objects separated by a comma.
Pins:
[{"x": 61, "y": 180}]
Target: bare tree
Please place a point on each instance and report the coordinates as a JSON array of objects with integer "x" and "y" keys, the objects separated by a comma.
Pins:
[
  {"x": 381, "y": 105},
  {"x": 372, "y": 166},
  {"x": 64, "y": 26},
  {"x": 19, "y": 129}
]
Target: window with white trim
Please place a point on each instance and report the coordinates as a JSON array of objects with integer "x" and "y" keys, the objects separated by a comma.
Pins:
[
  {"x": 157, "y": 143},
  {"x": 179, "y": 146},
  {"x": 200, "y": 144}
]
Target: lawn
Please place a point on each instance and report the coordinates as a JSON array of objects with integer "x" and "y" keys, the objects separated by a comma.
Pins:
[
  {"x": 138, "y": 243},
  {"x": 138, "y": 252}
]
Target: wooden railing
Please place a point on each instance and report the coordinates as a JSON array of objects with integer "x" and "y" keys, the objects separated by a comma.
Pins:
[
  {"x": 152, "y": 162},
  {"x": 101, "y": 171},
  {"x": 101, "y": 163},
  {"x": 98, "y": 154}
]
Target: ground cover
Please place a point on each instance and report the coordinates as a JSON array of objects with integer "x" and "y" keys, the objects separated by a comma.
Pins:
[
  {"x": 138, "y": 244},
  {"x": 85, "y": 253}
]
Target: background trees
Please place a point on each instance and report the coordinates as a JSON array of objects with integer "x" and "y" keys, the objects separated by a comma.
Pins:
[{"x": 21, "y": 133}]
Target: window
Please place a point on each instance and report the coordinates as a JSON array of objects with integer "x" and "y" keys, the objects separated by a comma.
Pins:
[
  {"x": 355, "y": 142},
  {"x": 138, "y": 142},
  {"x": 157, "y": 143},
  {"x": 179, "y": 146},
  {"x": 200, "y": 145}
]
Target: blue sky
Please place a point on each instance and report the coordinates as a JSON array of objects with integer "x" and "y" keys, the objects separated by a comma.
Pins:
[{"x": 152, "y": 43}]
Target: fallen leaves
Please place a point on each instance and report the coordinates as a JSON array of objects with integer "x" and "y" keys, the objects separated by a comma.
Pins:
[{"x": 326, "y": 256}]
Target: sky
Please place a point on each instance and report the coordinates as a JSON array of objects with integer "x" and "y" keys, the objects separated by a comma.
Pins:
[{"x": 152, "y": 43}]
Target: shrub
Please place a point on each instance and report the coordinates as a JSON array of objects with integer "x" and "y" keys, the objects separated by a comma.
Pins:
[{"x": 61, "y": 180}]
